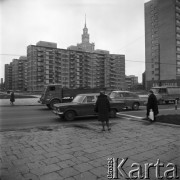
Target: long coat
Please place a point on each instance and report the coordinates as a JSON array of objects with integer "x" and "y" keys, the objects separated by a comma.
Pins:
[
  {"x": 12, "y": 97},
  {"x": 102, "y": 107},
  {"x": 152, "y": 104}
]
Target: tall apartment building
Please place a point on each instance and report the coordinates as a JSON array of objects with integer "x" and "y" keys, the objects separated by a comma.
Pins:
[
  {"x": 131, "y": 81},
  {"x": 19, "y": 73},
  {"x": 47, "y": 64},
  {"x": 16, "y": 74},
  {"x": 8, "y": 76},
  {"x": 162, "y": 42}
]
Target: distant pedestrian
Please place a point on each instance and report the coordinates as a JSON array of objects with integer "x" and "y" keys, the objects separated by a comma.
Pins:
[
  {"x": 152, "y": 104},
  {"x": 12, "y": 98},
  {"x": 102, "y": 107}
]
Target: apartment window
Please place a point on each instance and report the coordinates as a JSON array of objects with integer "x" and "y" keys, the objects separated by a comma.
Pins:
[
  {"x": 178, "y": 35},
  {"x": 154, "y": 30},
  {"x": 178, "y": 49},
  {"x": 155, "y": 42},
  {"x": 177, "y": 8},
  {"x": 178, "y": 70},
  {"x": 178, "y": 42},
  {"x": 177, "y": 21},
  {"x": 178, "y": 63},
  {"x": 178, "y": 56},
  {"x": 177, "y": 14},
  {"x": 155, "y": 48},
  {"x": 178, "y": 28}
]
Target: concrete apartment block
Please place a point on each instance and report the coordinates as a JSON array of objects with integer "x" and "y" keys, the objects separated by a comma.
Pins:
[{"x": 162, "y": 42}]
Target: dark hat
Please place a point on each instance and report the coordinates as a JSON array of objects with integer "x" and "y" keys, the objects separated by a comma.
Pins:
[
  {"x": 151, "y": 91},
  {"x": 102, "y": 92}
]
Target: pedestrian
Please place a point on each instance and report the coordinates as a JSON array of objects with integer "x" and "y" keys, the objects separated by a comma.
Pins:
[
  {"x": 102, "y": 107},
  {"x": 152, "y": 104},
  {"x": 12, "y": 98}
]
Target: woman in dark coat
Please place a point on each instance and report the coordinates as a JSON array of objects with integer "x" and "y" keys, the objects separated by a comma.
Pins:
[
  {"x": 103, "y": 108},
  {"x": 12, "y": 98},
  {"x": 152, "y": 104}
]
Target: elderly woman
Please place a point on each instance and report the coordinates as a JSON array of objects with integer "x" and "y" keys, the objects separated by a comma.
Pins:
[
  {"x": 103, "y": 108},
  {"x": 152, "y": 104}
]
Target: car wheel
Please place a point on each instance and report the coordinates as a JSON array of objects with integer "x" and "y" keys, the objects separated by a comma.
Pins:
[
  {"x": 112, "y": 113},
  {"x": 135, "y": 106},
  {"x": 69, "y": 115},
  {"x": 55, "y": 101}
]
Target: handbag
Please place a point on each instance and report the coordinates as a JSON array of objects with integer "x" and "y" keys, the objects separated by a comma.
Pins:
[{"x": 151, "y": 115}]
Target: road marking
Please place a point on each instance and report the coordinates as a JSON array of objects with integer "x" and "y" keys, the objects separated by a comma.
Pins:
[{"x": 130, "y": 115}]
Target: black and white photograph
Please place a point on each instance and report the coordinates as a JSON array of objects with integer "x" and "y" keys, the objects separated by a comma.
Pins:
[{"x": 89, "y": 89}]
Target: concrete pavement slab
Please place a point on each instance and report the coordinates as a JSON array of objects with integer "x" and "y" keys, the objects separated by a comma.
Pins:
[{"x": 74, "y": 152}]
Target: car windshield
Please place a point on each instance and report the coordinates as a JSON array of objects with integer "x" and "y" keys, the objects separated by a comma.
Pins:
[
  {"x": 78, "y": 99},
  {"x": 113, "y": 95},
  {"x": 155, "y": 90}
]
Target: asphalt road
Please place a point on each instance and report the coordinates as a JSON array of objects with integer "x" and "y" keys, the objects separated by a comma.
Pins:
[
  {"x": 22, "y": 117},
  {"x": 19, "y": 117},
  {"x": 26, "y": 116}
]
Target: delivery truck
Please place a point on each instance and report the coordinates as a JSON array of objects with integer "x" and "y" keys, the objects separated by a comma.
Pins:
[
  {"x": 167, "y": 94},
  {"x": 55, "y": 93}
]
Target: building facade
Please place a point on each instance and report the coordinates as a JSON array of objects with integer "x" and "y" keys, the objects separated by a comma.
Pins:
[
  {"x": 19, "y": 74},
  {"x": 131, "y": 81},
  {"x": 47, "y": 64},
  {"x": 162, "y": 42},
  {"x": 8, "y": 76},
  {"x": 16, "y": 74}
]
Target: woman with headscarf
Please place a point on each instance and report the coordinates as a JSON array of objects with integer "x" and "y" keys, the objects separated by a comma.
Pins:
[{"x": 102, "y": 108}]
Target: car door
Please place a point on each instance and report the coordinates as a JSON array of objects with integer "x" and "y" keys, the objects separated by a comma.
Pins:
[
  {"x": 87, "y": 106},
  {"x": 130, "y": 99}
]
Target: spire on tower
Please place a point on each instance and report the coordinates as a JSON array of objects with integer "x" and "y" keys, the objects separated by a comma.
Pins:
[{"x": 85, "y": 21}]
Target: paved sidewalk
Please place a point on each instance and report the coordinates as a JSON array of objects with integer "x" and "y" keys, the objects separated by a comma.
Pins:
[
  {"x": 75, "y": 152},
  {"x": 21, "y": 102}
]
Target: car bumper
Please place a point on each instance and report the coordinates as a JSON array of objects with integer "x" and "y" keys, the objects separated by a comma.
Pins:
[{"x": 57, "y": 112}]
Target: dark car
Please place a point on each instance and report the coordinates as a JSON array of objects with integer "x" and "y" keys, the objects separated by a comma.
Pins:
[
  {"x": 83, "y": 105},
  {"x": 131, "y": 100}
]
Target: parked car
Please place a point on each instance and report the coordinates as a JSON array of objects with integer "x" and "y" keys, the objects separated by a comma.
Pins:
[
  {"x": 130, "y": 99},
  {"x": 83, "y": 105}
]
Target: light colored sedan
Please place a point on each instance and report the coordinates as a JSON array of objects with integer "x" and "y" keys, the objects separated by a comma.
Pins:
[{"x": 130, "y": 99}]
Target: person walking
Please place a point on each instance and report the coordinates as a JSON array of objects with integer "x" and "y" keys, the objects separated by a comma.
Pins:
[
  {"x": 12, "y": 98},
  {"x": 152, "y": 104},
  {"x": 102, "y": 107}
]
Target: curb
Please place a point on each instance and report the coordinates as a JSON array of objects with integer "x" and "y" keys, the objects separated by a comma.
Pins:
[{"x": 158, "y": 123}]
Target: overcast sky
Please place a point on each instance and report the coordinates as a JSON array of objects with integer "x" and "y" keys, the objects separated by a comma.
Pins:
[{"x": 114, "y": 25}]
